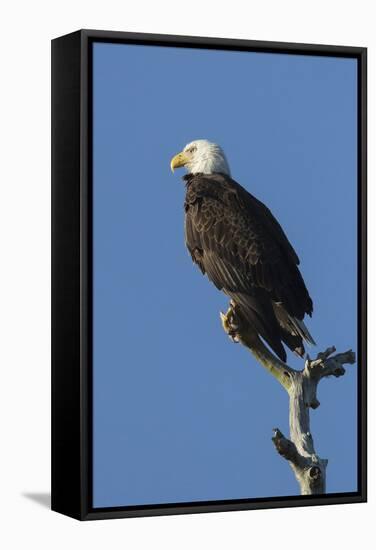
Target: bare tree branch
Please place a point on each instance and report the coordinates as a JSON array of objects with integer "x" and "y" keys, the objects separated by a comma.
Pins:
[
  {"x": 301, "y": 386},
  {"x": 239, "y": 331}
]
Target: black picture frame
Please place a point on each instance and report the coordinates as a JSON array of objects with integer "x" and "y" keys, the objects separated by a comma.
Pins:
[{"x": 72, "y": 273}]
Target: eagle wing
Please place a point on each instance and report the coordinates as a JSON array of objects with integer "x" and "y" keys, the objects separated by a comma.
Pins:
[{"x": 240, "y": 246}]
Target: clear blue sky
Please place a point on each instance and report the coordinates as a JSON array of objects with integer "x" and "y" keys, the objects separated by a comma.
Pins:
[{"x": 180, "y": 413}]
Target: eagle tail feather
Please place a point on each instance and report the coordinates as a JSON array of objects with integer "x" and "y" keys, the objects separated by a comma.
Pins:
[
  {"x": 302, "y": 330},
  {"x": 263, "y": 321}
]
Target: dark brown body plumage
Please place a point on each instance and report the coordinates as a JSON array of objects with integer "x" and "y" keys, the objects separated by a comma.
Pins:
[{"x": 240, "y": 246}]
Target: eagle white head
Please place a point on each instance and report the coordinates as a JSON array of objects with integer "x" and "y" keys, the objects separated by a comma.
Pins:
[{"x": 201, "y": 156}]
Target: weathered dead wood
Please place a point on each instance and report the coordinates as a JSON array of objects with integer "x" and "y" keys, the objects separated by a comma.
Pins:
[{"x": 301, "y": 386}]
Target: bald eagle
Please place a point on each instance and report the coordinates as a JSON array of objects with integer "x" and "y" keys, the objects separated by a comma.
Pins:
[{"x": 237, "y": 242}]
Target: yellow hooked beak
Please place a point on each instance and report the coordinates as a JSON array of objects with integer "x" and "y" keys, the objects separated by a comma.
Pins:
[{"x": 179, "y": 160}]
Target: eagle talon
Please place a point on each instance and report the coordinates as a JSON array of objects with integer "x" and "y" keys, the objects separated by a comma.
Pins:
[{"x": 229, "y": 325}]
